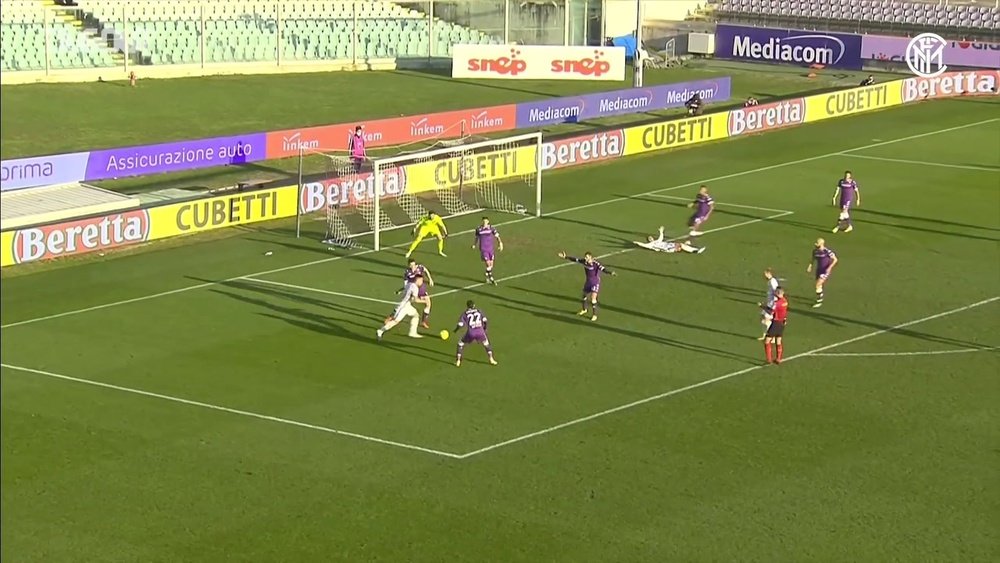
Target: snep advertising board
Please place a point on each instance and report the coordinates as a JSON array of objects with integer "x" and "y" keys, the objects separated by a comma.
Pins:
[
  {"x": 853, "y": 100},
  {"x": 788, "y": 46},
  {"x": 955, "y": 53},
  {"x": 538, "y": 62},
  {"x": 676, "y": 133},
  {"x": 573, "y": 109},
  {"x": 126, "y": 228}
]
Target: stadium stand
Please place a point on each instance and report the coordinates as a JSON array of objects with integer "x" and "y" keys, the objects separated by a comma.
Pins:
[
  {"x": 95, "y": 33},
  {"x": 954, "y": 19}
]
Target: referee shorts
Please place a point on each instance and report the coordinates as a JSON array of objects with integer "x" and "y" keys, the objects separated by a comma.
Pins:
[{"x": 776, "y": 329}]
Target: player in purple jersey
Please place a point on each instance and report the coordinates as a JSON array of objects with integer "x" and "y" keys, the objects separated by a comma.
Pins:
[
  {"x": 703, "y": 205},
  {"x": 414, "y": 270},
  {"x": 592, "y": 285},
  {"x": 474, "y": 322},
  {"x": 824, "y": 260},
  {"x": 486, "y": 237},
  {"x": 847, "y": 195}
]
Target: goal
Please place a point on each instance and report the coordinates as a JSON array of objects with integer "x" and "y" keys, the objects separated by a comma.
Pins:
[{"x": 454, "y": 178}]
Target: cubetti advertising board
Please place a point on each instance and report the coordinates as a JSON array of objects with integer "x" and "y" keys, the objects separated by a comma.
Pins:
[
  {"x": 788, "y": 46},
  {"x": 538, "y": 62}
]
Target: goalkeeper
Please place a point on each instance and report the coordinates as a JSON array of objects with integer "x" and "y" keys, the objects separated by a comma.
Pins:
[
  {"x": 431, "y": 225},
  {"x": 657, "y": 244}
]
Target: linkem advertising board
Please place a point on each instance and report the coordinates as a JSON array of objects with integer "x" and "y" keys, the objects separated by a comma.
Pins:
[{"x": 128, "y": 228}]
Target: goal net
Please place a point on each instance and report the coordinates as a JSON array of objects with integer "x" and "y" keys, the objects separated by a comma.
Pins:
[{"x": 451, "y": 179}]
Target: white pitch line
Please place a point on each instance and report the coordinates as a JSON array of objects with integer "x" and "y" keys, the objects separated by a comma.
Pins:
[
  {"x": 894, "y": 354},
  {"x": 923, "y": 163},
  {"x": 720, "y": 203},
  {"x": 229, "y": 410},
  {"x": 557, "y": 212},
  {"x": 318, "y": 290},
  {"x": 718, "y": 379}
]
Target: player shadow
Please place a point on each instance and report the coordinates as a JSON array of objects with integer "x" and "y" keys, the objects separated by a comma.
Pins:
[
  {"x": 381, "y": 274},
  {"x": 373, "y": 258},
  {"x": 314, "y": 247},
  {"x": 932, "y": 338},
  {"x": 296, "y": 296},
  {"x": 654, "y": 338},
  {"x": 723, "y": 210},
  {"x": 598, "y": 226},
  {"x": 863, "y": 212},
  {"x": 929, "y": 230},
  {"x": 739, "y": 290}
]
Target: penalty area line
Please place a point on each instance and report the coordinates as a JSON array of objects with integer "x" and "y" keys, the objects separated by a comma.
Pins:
[
  {"x": 719, "y": 379},
  {"x": 229, "y": 410},
  {"x": 722, "y": 204},
  {"x": 923, "y": 163},
  {"x": 521, "y": 220}
]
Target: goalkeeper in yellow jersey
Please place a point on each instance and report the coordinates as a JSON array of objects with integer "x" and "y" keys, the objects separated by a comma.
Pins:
[{"x": 431, "y": 225}]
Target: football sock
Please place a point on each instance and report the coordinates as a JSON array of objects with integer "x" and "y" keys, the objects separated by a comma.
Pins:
[
  {"x": 489, "y": 273},
  {"x": 594, "y": 308},
  {"x": 780, "y": 351},
  {"x": 413, "y": 246},
  {"x": 584, "y": 307},
  {"x": 819, "y": 295},
  {"x": 489, "y": 351},
  {"x": 426, "y": 315},
  {"x": 458, "y": 352},
  {"x": 767, "y": 351},
  {"x": 441, "y": 245}
]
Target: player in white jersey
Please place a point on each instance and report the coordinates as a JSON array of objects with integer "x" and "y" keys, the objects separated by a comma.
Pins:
[
  {"x": 406, "y": 309},
  {"x": 772, "y": 288},
  {"x": 658, "y": 244}
]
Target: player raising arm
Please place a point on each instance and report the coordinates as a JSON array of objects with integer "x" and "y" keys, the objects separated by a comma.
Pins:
[
  {"x": 703, "y": 205},
  {"x": 847, "y": 195},
  {"x": 657, "y": 244},
  {"x": 592, "y": 285},
  {"x": 824, "y": 260},
  {"x": 406, "y": 309},
  {"x": 772, "y": 289},
  {"x": 474, "y": 322},
  {"x": 779, "y": 312},
  {"x": 486, "y": 238},
  {"x": 431, "y": 225}
]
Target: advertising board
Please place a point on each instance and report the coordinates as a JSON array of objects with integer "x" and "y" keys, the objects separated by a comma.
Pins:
[
  {"x": 766, "y": 117},
  {"x": 172, "y": 157},
  {"x": 79, "y": 236},
  {"x": 853, "y": 100},
  {"x": 584, "y": 149},
  {"x": 392, "y": 131},
  {"x": 43, "y": 170},
  {"x": 950, "y": 85},
  {"x": 788, "y": 46},
  {"x": 676, "y": 133},
  {"x": 346, "y": 191},
  {"x": 481, "y": 167},
  {"x": 538, "y": 62},
  {"x": 573, "y": 109},
  {"x": 956, "y": 53}
]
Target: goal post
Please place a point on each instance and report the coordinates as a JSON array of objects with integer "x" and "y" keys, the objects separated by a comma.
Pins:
[{"x": 453, "y": 178}]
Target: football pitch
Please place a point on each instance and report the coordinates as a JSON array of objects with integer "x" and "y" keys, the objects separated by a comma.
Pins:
[{"x": 226, "y": 399}]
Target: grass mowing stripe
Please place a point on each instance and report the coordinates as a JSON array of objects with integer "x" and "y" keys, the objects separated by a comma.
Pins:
[
  {"x": 557, "y": 212},
  {"x": 922, "y": 163},
  {"x": 229, "y": 410},
  {"x": 719, "y": 379},
  {"x": 318, "y": 290}
]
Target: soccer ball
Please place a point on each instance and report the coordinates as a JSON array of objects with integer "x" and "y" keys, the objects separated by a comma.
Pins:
[{"x": 444, "y": 335}]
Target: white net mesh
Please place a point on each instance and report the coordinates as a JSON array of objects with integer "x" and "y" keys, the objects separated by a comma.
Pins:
[{"x": 455, "y": 178}]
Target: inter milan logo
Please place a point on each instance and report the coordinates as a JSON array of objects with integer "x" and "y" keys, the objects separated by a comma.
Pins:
[{"x": 925, "y": 55}]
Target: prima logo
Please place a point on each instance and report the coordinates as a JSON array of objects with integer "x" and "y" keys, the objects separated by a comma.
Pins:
[{"x": 925, "y": 55}]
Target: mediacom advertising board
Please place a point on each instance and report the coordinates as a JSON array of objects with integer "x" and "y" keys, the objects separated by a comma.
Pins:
[
  {"x": 127, "y": 228},
  {"x": 788, "y": 46},
  {"x": 538, "y": 62},
  {"x": 677, "y": 133},
  {"x": 956, "y": 53},
  {"x": 573, "y": 109}
]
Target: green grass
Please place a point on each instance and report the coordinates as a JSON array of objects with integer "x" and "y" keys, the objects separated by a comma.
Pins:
[
  {"x": 102, "y": 115},
  {"x": 821, "y": 459}
]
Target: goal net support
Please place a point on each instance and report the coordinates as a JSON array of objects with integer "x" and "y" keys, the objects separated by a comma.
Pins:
[{"x": 458, "y": 177}]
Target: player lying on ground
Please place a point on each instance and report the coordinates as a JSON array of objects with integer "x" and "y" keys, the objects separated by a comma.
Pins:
[
  {"x": 474, "y": 322},
  {"x": 486, "y": 237},
  {"x": 847, "y": 195},
  {"x": 824, "y": 260},
  {"x": 409, "y": 275},
  {"x": 779, "y": 312},
  {"x": 592, "y": 284},
  {"x": 431, "y": 225},
  {"x": 772, "y": 289},
  {"x": 657, "y": 244},
  {"x": 703, "y": 205},
  {"x": 406, "y": 309}
]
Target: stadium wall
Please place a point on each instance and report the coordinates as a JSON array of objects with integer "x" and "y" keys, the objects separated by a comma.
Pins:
[{"x": 116, "y": 230}]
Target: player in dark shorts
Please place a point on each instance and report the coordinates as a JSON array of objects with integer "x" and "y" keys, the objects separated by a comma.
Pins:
[
  {"x": 776, "y": 330},
  {"x": 592, "y": 285},
  {"x": 824, "y": 259}
]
